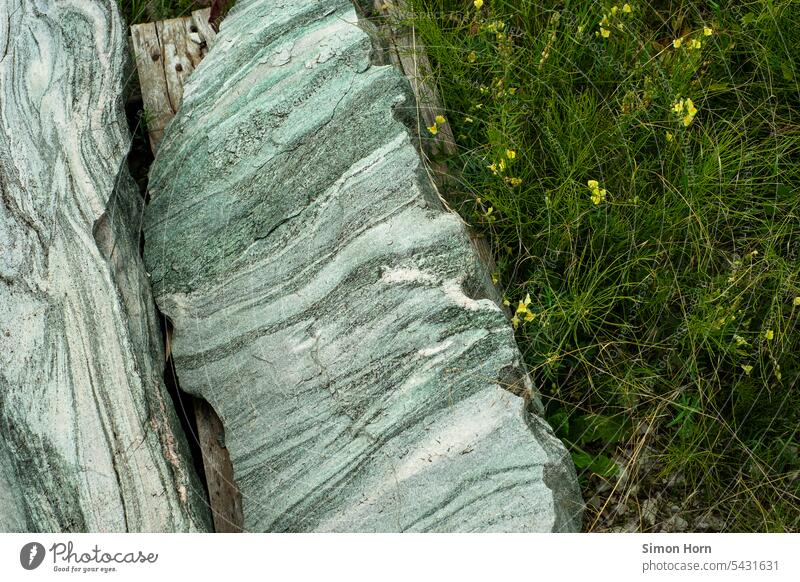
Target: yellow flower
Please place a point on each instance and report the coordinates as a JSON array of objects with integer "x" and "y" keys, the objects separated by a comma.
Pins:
[
  {"x": 478, "y": 4},
  {"x": 511, "y": 154},
  {"x": 769, "y": 334},
  {"x": 747, "y": 369},
  {"x": 707, "y": 31},
  {"x": 514, "y": 182},
  {"x": 669, "y": 136},
  {"x": 677, "y": 43},
  {"x": 495, "y": 278},
  {"x": 440, "y": 119},
  {"x": 696, "y": 44},
  {"x": 472, "y": 57},
  {"x": 686, "y": 106},
  {"x": 529, "y": 316},
  {"x": 433, "y": 129},
  {"x": 515, "y": 321},
  {"x": 501, "y": 165},
  {"x": 523, "y": 305},
  {"x": 580, "y": 29},
  {"x": 604, "y": 22},
  {"x": 626, "y": 8},
  {"x": 614, "y": 9},
  {"x": 493, "y": 168},
  {"x": 468, "y": 119},
  {"x": 604, "y": 32},
  {"x": 506, "y": 302},
  {"x": 797, "y": 301},
  {"x": 598, "y": 195}
]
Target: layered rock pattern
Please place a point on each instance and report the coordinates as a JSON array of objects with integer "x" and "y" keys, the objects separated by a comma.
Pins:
[
  {"x": 88, "y": 439},
  {"x": 334, "y": 315}
]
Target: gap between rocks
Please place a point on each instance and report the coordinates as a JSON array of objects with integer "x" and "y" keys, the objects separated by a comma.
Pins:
[{"x": 186, "y": 406}]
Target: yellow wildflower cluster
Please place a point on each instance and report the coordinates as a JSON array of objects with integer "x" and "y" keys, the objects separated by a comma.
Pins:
[
  {"x": 498, "y": 168},
  {"x": 692, "y": 43},
  {"x": 606, "y": 21},
  {"x": 685, "y": 108},
  {"x": 496, "y": 26},
  {"x": 598, "y": 193},
  {"x": 523, "y": 312},
  {"x": 438, "y": 121}
]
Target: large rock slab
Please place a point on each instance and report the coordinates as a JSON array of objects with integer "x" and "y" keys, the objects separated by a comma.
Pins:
[
  {"x": 88, "y": 439},
  {"x": 334, "y": 315}
]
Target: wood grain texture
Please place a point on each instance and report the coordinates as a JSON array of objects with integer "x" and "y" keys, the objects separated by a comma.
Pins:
[
  {"x": 166, "y": 53},
  {"x": 90, "y": 441},
  {"x": 224, "y": 497},
  {"x": 335, "y": 316}
]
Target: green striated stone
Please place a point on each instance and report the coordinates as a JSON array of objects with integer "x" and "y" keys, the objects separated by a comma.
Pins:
[{"x": 336, "y": 317}]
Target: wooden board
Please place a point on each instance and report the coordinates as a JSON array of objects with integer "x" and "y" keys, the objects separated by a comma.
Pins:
[
  {"x": 226, "y": 502},
  {"x": 166, "y": 54}
]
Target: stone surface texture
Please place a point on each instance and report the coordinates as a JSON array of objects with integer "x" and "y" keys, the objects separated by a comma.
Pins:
[
  {"x": 88, "y": 437},
  {"x": 338, "y": 319}
]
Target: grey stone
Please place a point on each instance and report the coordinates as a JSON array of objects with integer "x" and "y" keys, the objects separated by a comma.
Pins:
[
  {"x": 89, "y": 441},
  {"x": 335, "y": 316}
]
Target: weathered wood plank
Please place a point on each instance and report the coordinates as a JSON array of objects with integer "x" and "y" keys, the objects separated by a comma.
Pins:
[
  {"x": 224, "y": 496},
  {"x": 166, "y": 53},
  {"x": 90, "y": 441},
  {"x": 201, "y": 26},
  {"x": 149, "y": 58}
]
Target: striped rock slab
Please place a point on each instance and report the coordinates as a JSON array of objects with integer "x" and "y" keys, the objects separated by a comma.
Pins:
[
  {"x": 335, "y": 316},
  {"x": 88, "y": 438}
]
